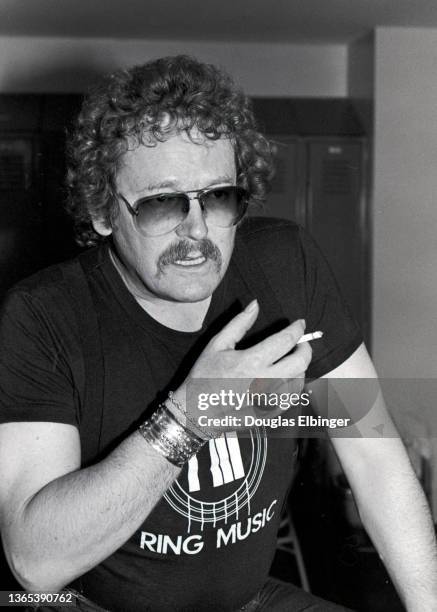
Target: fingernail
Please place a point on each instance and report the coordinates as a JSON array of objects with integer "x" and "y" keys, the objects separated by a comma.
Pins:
[
  {"x": 303, "y": 323},
  {"x": 251, "y": 306}
]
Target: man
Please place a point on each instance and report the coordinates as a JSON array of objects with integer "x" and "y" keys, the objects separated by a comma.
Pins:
[{"x": 164, "y": 161}]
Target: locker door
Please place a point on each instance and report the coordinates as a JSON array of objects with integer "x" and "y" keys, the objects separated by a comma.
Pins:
[
  {"x": 58, "y": 227},
  {"x": 336, "y": 216},
  {"x": 21, "y": 220},
  {"x": 284, "y": 200}
]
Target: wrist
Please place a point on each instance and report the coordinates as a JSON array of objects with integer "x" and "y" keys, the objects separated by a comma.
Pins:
[
  {"x": 169, "y": 437},
  {"x": 177, "y": 405}
]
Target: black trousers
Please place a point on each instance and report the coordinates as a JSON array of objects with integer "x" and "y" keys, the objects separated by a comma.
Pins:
[{"x": 275, "y": 596}]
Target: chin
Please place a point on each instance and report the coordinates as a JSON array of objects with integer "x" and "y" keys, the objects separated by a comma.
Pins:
[
  {"x": 192, "y": 296},
  {"x": 191, "y": 293}
]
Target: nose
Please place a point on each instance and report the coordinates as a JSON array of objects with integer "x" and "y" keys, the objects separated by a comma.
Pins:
[{"x": 194, "y": 225}]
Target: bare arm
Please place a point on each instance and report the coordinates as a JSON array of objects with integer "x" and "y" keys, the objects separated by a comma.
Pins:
[
  {"x": 58, "y": 521},
  {"x": 391, "y": 502}
]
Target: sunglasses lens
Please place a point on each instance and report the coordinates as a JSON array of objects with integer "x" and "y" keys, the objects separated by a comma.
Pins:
[
  {"x": 222, "y": 207},
  {"x": 161, "y": 214}
]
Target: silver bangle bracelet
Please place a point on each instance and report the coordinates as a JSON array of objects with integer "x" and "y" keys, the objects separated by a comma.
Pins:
[{"x": 171, "y": 439}]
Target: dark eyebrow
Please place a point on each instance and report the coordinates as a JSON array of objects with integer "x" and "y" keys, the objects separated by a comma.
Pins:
[
  {"x": 220, "y": 180},
  {"x": 173, "y": 184},
  {"x": 170, "y": 184}
]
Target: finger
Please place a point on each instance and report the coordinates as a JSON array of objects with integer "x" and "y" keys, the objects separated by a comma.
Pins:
[
  {"x": 277, "y": 345},
  {"x": 293, "y": 365},
  {"x": 232, "y": 333}
]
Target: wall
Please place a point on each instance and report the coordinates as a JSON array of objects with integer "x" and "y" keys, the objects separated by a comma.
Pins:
[
  {"x": 404, "y": 234},
  {"x": 361, "y": 78},
  {"x": 361, "y": 90},
  {"x": 404, "y": 208},
  {"x": 30, "y": 64}
]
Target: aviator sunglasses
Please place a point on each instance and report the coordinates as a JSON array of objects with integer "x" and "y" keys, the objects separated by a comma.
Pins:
[{"x": 161, "y": 213}]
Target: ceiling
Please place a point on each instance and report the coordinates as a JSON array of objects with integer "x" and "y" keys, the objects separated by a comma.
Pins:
[{"x": 292, "y": 21}]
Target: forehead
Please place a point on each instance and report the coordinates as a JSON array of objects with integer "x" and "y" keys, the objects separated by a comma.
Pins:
[{"x": 181, "y": 161}]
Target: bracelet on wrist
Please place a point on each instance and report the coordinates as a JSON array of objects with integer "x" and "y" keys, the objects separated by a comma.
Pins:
[{"x": 169, "y": 437}]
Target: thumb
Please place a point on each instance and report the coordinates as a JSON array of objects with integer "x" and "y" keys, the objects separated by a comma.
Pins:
[{"x": 232, "y": 333}]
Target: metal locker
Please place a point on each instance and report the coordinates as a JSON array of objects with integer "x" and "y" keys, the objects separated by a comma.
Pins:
[{"x": 336, "y": 215}]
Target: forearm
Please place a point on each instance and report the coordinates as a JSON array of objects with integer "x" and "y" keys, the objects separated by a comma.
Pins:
[
  {"x": 78, "y": 520},
  {"x": 395, "y": 513}
]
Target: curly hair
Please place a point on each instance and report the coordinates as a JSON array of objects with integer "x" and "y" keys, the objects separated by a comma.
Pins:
[{"x": 155, "y": 100}]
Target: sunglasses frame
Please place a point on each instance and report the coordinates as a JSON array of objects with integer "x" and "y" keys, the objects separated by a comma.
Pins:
[{"x": 199, "y": 194}]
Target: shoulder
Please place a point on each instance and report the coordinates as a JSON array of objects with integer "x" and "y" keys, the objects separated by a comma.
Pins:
[
  {"x": 273, "y": 241},
  {"x": 52, "y": 287},
  {"x": 265, "y": 228},
  {"x": 44, "y": 287},
  {"x": 35, "y": 295},
  {"x": 56, "y": 278},
  {"x": 48, "y": 301},
  {"x": 269, "y": 235}
]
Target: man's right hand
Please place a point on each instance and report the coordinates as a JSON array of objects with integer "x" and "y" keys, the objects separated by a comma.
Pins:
[{"x": 266, "y": 360}]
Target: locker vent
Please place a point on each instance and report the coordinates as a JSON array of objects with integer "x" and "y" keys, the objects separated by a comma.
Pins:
[{"x": 337, "y": 176}]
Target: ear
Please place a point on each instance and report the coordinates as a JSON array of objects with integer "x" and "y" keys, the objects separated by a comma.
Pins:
[{"x": 101, "y": 227}]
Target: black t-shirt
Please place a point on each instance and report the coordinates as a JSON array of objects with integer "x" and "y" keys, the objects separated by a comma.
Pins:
[{"x": 209, "y": 542}]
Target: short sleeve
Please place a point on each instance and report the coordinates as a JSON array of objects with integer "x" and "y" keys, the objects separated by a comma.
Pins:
[
  {"x": 36, "y": 381},
  {"x": 326, "y": 311}
]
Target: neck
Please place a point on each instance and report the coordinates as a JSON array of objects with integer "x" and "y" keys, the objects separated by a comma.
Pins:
[{"x": 180, "y": 316}]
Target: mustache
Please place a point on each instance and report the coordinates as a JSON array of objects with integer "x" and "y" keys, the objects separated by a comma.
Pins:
[{"x": 181, "y": 250}]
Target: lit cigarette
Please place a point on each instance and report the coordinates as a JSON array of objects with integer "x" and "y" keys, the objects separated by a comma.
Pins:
[{"x": 308, "y": 337}]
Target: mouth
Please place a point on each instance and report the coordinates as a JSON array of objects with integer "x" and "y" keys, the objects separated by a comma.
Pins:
[{"x": 190, "y": 261}]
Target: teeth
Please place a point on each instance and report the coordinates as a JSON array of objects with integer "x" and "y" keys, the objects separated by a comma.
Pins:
[{"x": 191, "y": 262}]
